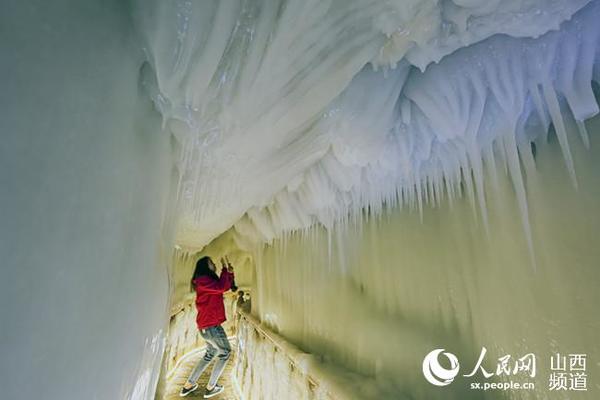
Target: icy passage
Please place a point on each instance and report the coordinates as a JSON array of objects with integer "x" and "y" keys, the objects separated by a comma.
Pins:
[{"x": 423, "y": 169}]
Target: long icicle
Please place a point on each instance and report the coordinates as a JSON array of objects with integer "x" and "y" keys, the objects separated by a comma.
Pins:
[
  {"x": 559, "y": 128},
  {"x": 514, "y": 167}
]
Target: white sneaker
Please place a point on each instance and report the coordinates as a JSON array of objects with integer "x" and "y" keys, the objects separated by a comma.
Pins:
[
  {"x": 213, "y": 392},
  {"x": 184, "y": 392}
]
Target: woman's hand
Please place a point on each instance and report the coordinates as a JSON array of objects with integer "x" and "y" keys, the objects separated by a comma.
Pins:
[
  {"x": 229, "y": 266},
  {"x": 226, "y": 264}
]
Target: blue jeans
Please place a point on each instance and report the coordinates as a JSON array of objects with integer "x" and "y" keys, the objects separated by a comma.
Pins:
[{"x": 218, "y": 345}]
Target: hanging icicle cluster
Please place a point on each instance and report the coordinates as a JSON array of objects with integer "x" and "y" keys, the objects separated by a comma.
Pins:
[
  {"x": 421, "y": 137},
  {"x": 291, "y": 113}
]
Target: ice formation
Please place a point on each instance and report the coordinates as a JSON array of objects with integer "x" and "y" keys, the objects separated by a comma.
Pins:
[
  {"x": 292, "y": 113},
  {"x": 276, "y": 116},
  {"x": 84, "y": 218},
  {"x": 375, "y": 295},
  {"x": 442, "y": 118}
]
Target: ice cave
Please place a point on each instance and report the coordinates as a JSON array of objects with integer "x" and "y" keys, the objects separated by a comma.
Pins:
[{"x": 408, "y": 190}]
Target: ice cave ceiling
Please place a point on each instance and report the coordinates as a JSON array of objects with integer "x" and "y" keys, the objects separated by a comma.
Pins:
[{"x": 290, "y": 113}]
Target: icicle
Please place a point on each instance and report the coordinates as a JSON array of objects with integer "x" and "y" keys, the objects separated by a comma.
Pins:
[
  {"x": 527, "y": 158},
  {"x": 419, "y": 197},
  {"x": 449, "y": 190},
  {"x": 559, "y": 128},
  {"x": 477, "y": 169},
  {"x": 584, "y": 134},
  {"x": 490, "y": 162},
  {"x": 430, "y": 197},
  {"x": 512, "y": 157},
  {"x": 539, "y": 106},
  {"x": 437, "y": 190},
  {"x": 467, "y": 179}
]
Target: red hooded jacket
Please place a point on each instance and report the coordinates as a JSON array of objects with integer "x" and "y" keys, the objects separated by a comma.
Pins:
[{"x": 209, "y": 298}]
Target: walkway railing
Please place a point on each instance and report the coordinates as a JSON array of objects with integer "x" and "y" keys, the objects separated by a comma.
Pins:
[{"x": 267, "y": 366}]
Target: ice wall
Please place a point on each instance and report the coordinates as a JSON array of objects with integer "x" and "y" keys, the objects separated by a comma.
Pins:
[
  {"x": 377, "y": 294},
  {"x": 84, "y": 183}
]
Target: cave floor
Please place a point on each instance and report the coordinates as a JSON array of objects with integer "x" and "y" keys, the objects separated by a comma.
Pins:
[{"x": 176, "y": 381}]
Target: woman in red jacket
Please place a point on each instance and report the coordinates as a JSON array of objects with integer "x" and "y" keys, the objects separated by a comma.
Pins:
[{"x": 211, "y": 314}]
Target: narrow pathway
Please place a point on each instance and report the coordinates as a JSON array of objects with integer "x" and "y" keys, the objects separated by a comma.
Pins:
[{"x": 184, "y": 369}]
